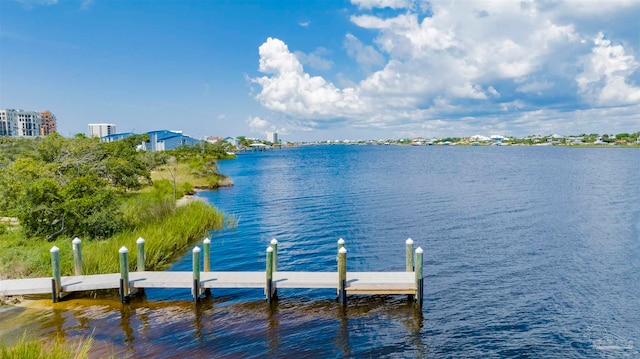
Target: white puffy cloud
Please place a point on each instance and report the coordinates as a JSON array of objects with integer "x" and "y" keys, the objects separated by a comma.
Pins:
[
  {"x": 445, "y": 65},
  {"x": 605, "y": 72},
  {"x": 290, "y": 90},
  {"x": 365, "y": 55},
  {"x": 256, "y": 124},
  {"x": 315, "y": 59},
  {"x": 393, "y": 4}
]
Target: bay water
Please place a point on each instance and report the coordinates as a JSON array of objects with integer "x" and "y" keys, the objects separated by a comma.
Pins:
[{"x": 530, "y": 252}]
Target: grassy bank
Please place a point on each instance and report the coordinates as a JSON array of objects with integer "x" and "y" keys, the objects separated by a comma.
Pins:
[
  {"x": 35, "y": 349},
  {"x": 166, "y": 238},
  {"x": 195, "y": 174}
]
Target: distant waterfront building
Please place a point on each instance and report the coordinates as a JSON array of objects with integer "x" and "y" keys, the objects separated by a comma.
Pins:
[
  {"x": 20, "y": 123},
  {"x": 49, "y": 123},
  {"x": 8, "y": 123},
  {"x": 272, "y": 137},
  {"x": 115, "y": 137},
  {"x": 101, "y": 129},
  {"x": 158, "y": 140}
]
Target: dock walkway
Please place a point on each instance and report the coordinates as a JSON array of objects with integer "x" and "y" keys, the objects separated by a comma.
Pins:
[
  {"x": 409, "y": 282},
  {"x": 357, "y": 282}
]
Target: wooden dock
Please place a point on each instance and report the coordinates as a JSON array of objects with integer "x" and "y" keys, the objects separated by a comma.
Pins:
[
  {"x": 200, "y": 282},
  {"x": 357, "y": 282}
]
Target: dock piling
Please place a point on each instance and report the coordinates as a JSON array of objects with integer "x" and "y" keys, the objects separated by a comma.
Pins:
[
  {"x": 274, "y": 245},
  {"x": 196, "y": 274},
  {"x": 141, "y": 255},
  {"x": 419, "y": 277},
  {"x": 125, "y": 292},
  {"x": 206, "y": 246},
  {"x": 141, "y": 259},
  {"x": 409, "y": 244},
  {"x": 342, "y": 276},
  {"x": 56, "y": 286},
  {"x": 269, "y": 283},
  {"x": 77, "y": 256},
  {"x": 409, "y": 260}
]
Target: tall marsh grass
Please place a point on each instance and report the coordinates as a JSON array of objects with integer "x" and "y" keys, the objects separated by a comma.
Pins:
[
  {"x": 168, "y": 232},
  {"x": 37, "y": 349},
  {"x": 164, "y": 240}
]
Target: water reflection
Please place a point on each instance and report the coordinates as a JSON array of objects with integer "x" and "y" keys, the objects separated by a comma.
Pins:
[
  {"x": 273, "y": 333},
  {"x": 342, "y": 339},
  {"x": 125, "y": 325},
  {"x": 298, "y": 326}
]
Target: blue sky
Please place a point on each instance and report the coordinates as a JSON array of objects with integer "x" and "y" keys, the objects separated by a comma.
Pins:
[{"x": 313, "y": 70}]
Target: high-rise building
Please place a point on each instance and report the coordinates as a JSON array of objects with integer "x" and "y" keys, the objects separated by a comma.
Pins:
[
  {"x": 19, "y": 123},
  {"x": 272, "y": 137},
  {"x": 8, "y": 123},
  {"x": 101, "y": 129},
  {"x": 49, "y": 123}
]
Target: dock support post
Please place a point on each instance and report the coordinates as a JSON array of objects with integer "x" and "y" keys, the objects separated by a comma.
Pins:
[
  {"x": 56, "y": 286},
  {"x": 206, "y": 255},
  {"x": 141, "y": 255},
  {"x": 77, "y": 256},
  {"x": 125, "y": 293},
  {"x": 206, "y": 246},
  {"x": 419, "y": 277},
  {"x": 409, "y": 260},
  {"x": 196, "y": 274},
  {"x": 340, "y": 245},
  {"x": 274, "y": 245},
  {"x": 141, "y": 259},
  {"x": 269, "y": 283},
  {"x": 342, "y": 276},
  {"x": 409, "y": 244}
]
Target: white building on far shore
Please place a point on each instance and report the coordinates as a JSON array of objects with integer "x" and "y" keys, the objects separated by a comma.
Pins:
[
  {"x": 101, "y": 129},
  {"x": 272, "y": 137},
  {"x": 19, "y": 123}
]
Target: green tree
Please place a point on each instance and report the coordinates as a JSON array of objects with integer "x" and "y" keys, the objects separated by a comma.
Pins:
[{"x": 39, "y": 209}]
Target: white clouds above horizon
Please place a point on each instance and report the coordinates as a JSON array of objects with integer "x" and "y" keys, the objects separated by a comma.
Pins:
[
  {"x": 606, "y": 69},
  {"x": 316, "y": 59},
  {"x": 461, "y": 66}
]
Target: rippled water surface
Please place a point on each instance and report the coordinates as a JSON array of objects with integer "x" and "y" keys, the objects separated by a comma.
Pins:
[{"x": 530, "y": 252}]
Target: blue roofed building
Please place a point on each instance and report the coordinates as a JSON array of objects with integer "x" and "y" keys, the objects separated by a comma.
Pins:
[
  {"x": 158, "y": 140},
  {"x": 168, "y": 140},
  {"x": 115, "y": 137}
]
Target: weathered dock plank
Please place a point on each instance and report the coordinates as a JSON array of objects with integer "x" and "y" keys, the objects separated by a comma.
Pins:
[
  {"x": 305, "y": 279},
  {"x": 25, "y": 286},
  {"x": 381, "y": 283}
]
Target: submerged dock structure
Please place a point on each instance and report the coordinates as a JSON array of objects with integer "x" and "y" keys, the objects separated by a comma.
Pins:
[{"x": 202, "y": 281}]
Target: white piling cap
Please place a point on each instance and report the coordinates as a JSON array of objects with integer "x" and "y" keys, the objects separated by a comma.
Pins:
[
  {"x": 269, "y": 249},
  {"x": 196, "y": 249},
  {"x": 140, "y": 240},
  {"x": 76, "y": 241},
  {"x": 55, "y": 249},
  {"x": 274, "y": 241},
  {"x": 206, "y": 241},
  {"x": 340, "y": 241},
  {"x": 419, "y": 250},
  {"x": 409, "y": 241},
  {"x": 123, "y": 250},
  {"x": 343, "y": 250}
]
